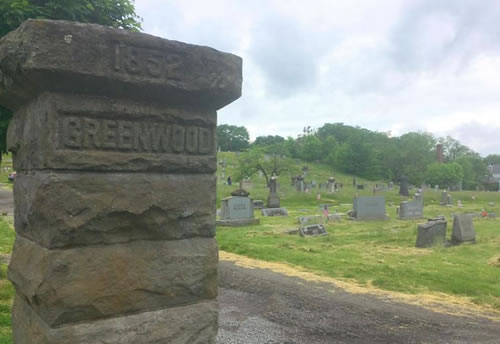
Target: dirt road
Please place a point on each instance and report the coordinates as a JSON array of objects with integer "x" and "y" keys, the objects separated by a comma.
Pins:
[{"x": 259, "y": 306}]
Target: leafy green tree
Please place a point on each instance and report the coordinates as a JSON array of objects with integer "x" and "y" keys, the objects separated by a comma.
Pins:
[
  {"x": 492, "y": 159},
  {"x": 270, "y": 160},
  {"x": 231, "y": 138},
  {"x": 415, "y": 151},
  {"x": 453, "y": 149},
  {"x": 113, "y": 13},
  {"x": 268, "y": 140},
  {"x": 310, "y": 148},
  {"x": 474, "y": 169},
  {"x": 444, "y": 175}
]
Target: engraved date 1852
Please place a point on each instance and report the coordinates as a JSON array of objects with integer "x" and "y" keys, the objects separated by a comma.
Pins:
[{"x": 146, "y": 62}]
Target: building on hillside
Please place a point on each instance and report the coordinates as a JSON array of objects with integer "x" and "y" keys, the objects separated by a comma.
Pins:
[{"x": 494, "y": 177}]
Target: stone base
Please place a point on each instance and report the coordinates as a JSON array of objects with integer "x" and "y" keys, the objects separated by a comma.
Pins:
[
  {"x": 237, "y": 223},
  {"x": 192, "y": 324}
]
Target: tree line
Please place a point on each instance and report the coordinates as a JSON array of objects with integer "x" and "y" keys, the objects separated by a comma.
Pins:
[{"x": 365, "y": 153}]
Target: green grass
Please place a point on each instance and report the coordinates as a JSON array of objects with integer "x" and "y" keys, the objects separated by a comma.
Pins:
[
  {"x": 380, "y": 253},
  {"x": 7, "y": 237}
]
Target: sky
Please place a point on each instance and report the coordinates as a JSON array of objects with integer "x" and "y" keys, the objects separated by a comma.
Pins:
[{"x": 386, "y": 65}]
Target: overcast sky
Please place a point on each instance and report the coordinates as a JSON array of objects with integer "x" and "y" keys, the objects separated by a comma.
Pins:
[{"x": 385, "y": 65}]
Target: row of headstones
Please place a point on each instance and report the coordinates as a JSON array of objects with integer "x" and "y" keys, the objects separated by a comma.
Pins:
[
  {"x": 302, "y": 186},
  {"x": 434, "y": 231}
]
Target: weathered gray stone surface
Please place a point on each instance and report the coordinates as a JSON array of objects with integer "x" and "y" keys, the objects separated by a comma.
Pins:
[
  {"x": 463, "y": 229},
  {"x": 431, "y": 233},
  {"x": 237, "y": 222},
  {"x": 60, "y": 131},
  {"x": 56, "y": 56},
  {"x": 258, "y": 204},
  {"x": 237, "y": 208},
  {"x": 113, "y": 140},
  {"x": 193, "y": 324},
  {"x": 59, "y": 210},
  {"x": 274, "y": 212},
  {"x": 312, "y": 219},
  {"x": 369, "y": 208},
  {"x": 313, "y": 230},
  {"x": 91, "y": 282},
  {"x": 334, "y": 217},
  {"x": 411, "y": 209}
]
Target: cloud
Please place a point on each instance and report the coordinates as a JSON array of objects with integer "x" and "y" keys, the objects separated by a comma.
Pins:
[{"x": 399, "y": 65}]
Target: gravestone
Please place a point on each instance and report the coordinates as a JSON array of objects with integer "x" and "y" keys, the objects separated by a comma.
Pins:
[
  {"x": 334, "y": 217},
  {"x": 463, "y": 229},
  {"x": 273, "y": 199},
  {"x": 237, "y": 211},
  {"x": 431, "y": 233},
  {"x": 446, "y": 198},
  {"x": 300, "y": 184},
  {"x": 411, "y": 209},
  {"x": 274, "y": 212},
  {"x": 113, "y": 141},
  {"x": 313, "y": 219},
  {"x": 313, "y": 230},
  {"x": 258, "y": 204},
  {"x": 369, "y": 208},
  {"x": 403, "y": 188},
  {"x": 331, "y": 184}
]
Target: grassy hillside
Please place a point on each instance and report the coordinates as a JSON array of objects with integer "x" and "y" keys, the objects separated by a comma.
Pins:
[{"x": 377, "y": 253}]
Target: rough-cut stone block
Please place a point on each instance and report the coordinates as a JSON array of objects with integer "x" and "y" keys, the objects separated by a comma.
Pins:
[
  {"x": 192, "y": 324},
  {"x": 65, "y": 209},
  {"x": 463, "y": 229},
  {"x": 86, "y": 283},
  {"x": 46, "y": 55},
  {"x": 75, "y": 132}
]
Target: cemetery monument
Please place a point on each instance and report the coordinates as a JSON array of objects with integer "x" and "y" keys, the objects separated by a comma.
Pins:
[{"x": 113, "y": 140}]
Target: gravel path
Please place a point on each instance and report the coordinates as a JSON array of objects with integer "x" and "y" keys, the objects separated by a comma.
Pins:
[{"x": 258, "y": 306}]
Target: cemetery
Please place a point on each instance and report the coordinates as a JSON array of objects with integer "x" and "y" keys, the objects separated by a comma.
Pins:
[
  {"x": 374, "y": 250},
  {"x": 119, "y": 192}
]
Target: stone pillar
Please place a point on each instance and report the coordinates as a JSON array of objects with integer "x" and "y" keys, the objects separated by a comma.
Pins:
[
  {"x": 331, "y": 184},
  {"x": 440, "y": 153},
  {"x": 113, "y": 139}
]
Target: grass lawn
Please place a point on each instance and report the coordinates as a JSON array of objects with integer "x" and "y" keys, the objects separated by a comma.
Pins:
[
  {"x": 377, "y": 253},
  {"x": 6, "y": 289}
]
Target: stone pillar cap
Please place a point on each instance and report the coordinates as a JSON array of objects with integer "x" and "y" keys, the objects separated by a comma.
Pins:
[{"x": 70, "y": 57}]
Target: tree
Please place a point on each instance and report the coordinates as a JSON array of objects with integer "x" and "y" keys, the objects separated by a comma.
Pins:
[
  {"x": 270, "y": 160},
  {"x": 474, "y": 169},
  {"x": 113, "y": 13},
  {"x": 444, "y": 175},
  {"x": 492, "y": 159},
  {"x": 453, "y": 149},
  {"x": 268, "y": 140},
  {"x": 231, "y": 138}
]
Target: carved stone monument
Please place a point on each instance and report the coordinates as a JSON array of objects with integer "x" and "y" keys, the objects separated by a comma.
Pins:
[
  {"x": 113, "y": 140},
  {"x": 331, "y": 184},
  {"x": 463, "y": 229},
  {"x": 403, "y": 188},
  {"x": 432, "y": 233},
  {"x": 369, "y": 208},
  {"x": 300, "y": 184},
  {"x": 273, "y": 199}
]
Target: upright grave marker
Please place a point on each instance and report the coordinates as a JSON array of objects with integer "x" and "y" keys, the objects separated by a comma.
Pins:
[
  {"x": 273, "y": 199},
  {"x": 113, "y": 139},
  {"x": 369, "y": 208}
]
